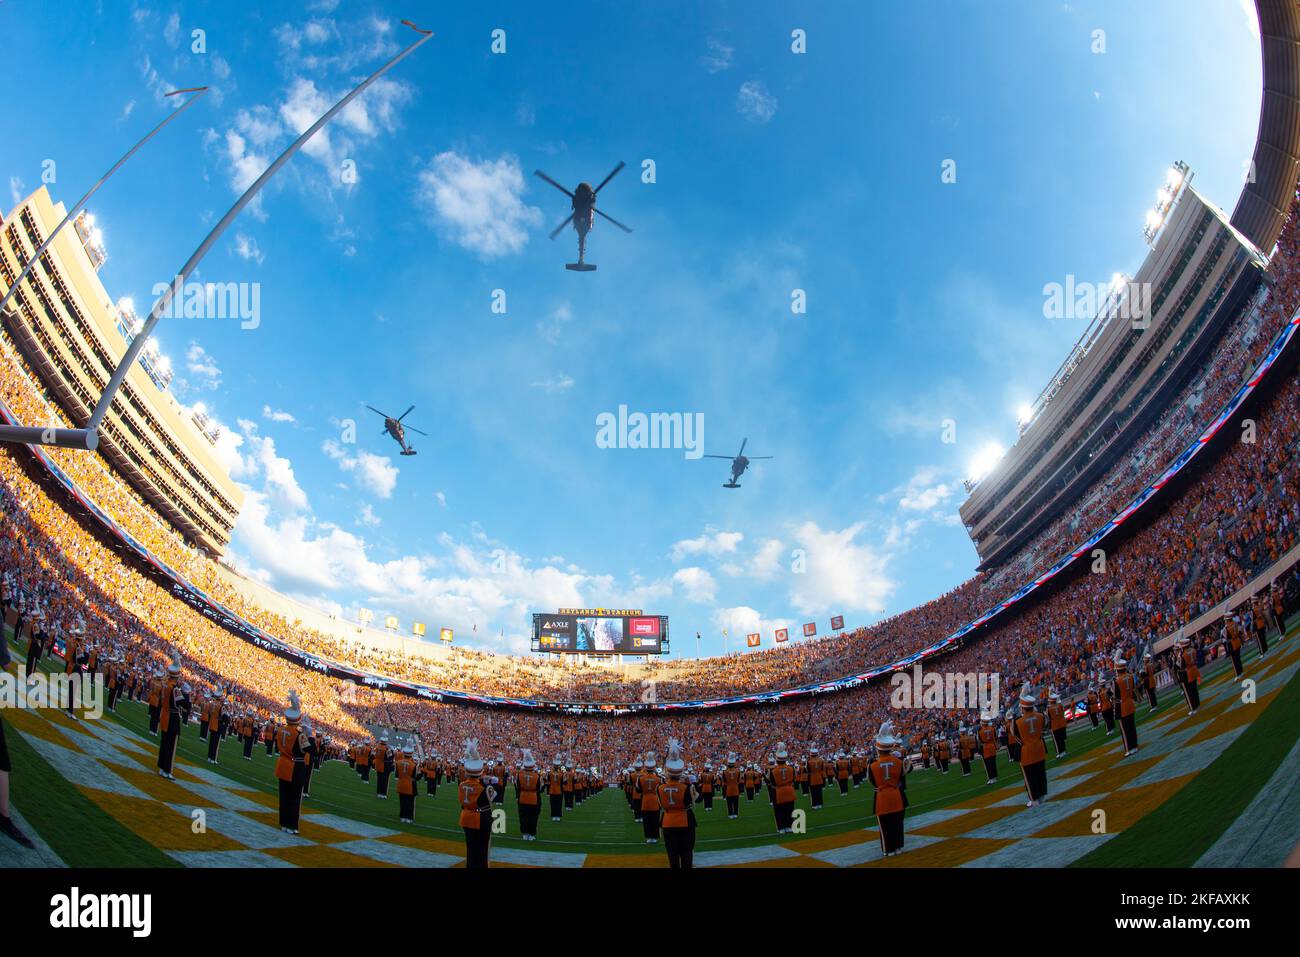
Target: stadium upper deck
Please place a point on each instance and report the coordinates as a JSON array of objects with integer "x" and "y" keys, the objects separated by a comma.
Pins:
[
  {"x": 68, "y": 327},
  {"x": 1119, "y": 378}
]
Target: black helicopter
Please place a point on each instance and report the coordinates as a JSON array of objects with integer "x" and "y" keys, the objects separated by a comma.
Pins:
[
  {"x": 394, "y": 427},
  {"x": 584, "y": 214},
  {"x": 739, "y": 462}
]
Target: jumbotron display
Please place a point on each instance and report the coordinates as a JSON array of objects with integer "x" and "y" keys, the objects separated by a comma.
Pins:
[{"x": 600, "y": 631}]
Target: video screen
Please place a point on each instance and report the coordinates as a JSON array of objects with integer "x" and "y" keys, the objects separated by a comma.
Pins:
[{"x": 599, "y": 634}]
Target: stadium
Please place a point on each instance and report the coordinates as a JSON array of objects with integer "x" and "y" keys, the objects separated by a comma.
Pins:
[{"x": 1112, "y": 678}]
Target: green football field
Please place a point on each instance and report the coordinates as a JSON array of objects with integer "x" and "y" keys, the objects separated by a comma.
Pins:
[{"x": 85, "y": 829}]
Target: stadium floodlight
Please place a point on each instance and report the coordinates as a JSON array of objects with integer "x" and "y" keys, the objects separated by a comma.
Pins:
[
  {"x": 985, "y": 459},
  {"x": 88, "y": 438}
]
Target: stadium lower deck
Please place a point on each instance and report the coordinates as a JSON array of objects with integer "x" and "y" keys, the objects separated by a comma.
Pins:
[{"x": 1218, "y": 789}]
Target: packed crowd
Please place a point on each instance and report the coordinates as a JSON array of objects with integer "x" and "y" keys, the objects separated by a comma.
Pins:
[{"x": 1210, "y": 541}]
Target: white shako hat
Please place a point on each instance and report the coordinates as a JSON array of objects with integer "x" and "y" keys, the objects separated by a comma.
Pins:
[
  {"x": 1121, "y": 663},
  {"x": 556, "y": 762},
  {"x": 1052, "y": 695},
  {"x": 1027, "y": 695},
  {"x": 986, "y": 716},
  {"x": 472, "y": 762},
  {"x": 732, "y": 758},
  {"x": 813, "y": 750},
  {"x": 529, "y": 761},
  {"x": 293, "y": 713},
  {"x": 650, "y": 760},
  {"x": 781, "y": 753},
  {"x": 174, "y": 668},
  {"x": 636, "y": 765},
  {"x": 885, "y": 738},
  {"x": 674, "y": 765}
]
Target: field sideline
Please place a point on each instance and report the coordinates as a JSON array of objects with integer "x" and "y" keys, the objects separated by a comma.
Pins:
[{"x": 94, "y": 800}]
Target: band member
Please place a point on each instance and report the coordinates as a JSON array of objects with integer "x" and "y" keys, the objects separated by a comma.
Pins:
[
  {"x": 268, "y": 737},
  {"x": 475, "y": 808},
  {"x": 36, "y": 645},
  {"x": 1126, "y": 705},
  {"x": 431, "y": 771},
  {"x": 675, "y": 796},
  {"x": 500, "y": 776},
  {"x": 1232, "y": 641},
  {"x": 1093, "y": 706},
  {"x": 988, "y": 745},
  {"x": 1106, "y": 702},
  {"x": 767, "y": 781},
  {"x": 204, "y": 711},
  {"x": 169, "y": 718},
  {"x": 1056, "y": 721},
  {"x": 1187, "y": 674},
  {"x": 889, "y": 806},
  {"x": 363, "y": 761},
  {"x": 292, "y": 745},
  {"x": 1149, "y": 671},
  {"x": 965, "y": 749},
  {"x": 1256, "y": 613},
  {"x": 706, "y": 785},
  {"x": 731, "y": 786},
  {"x": 555, "y": 789},
  {"x": 817, "y": 768},
  {"x": 751, "y": 781},
  {"x": 247, "y": 734},
  {"x": 943, "y": 754},
  {"x": 154, "y": 699},
  {"x": 7, "y": 827},
  {"x": 310, "y": 750},
  {"x": 528, "y": 791},
  {"x": 843, "y": 768},
  {"x": 781, "y": 780},
  {"x": 925, "y": 752},
  {"x": 649, "y": 785},
  {"x": 383, "y": 762},
  {"x": 408, "y": 777},
  {"x": 215, "y": 714},
  {"x": 1033, "y": 753}
]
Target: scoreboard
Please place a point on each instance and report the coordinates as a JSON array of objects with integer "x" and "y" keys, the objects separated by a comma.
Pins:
[{"x": 600, "y": 631}]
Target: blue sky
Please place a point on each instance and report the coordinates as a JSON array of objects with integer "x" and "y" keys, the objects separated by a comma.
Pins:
[{"x": 775, "y": 171}]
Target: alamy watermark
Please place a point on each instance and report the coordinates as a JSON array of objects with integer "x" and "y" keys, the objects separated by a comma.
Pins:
[
  {"x": 212, "y": 300},
  {"x": 62, "y": 691},
  {"x": 654, "y": 430},
  {"x": 947, "y": 690}
]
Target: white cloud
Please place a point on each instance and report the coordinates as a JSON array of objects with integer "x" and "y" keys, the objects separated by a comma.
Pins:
[
  {"x": 839, "y": 574},
  {"x": 367, "y": 516},
  {"x": 554, "y": 323},
  {"x": 754, "y": 102},
  {"x": 766, "y": 563},
  {"x": 924, "y": 492},
  {"x": 442, "y": 499},
  {"x": 719, "y": 56},
  {"x": 172, "y": 30},
  {"x": 202, "y": 366},
  {"x": 280, "y": 486},
  {"x": 127, "y": 109},
  {"x": 1252, "y": 16},
  {"x": 697, "y": 583},
  {"x": 711, "y": 542},
  {"x": 277, "y": 415},
  {"x": 374, "y": 472},
  {"x": 246, "y": 248},
  {"x": 556, "y": 383},
  {"x": 16, "y": 189},
  {"x": 478, "y": 205}
]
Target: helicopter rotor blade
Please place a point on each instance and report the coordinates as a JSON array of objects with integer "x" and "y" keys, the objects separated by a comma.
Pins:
[
  {"x": 755, "y": 458},
  {"x": 404, "y": 414},
  {"x": 556, "y": 231},
  {"x": 743, "y": 443},
  {"x": 612, "y": 174},
  {"x": 626, "y": 229},
  {"x": 538, "y": 173},
  {"x": 729, "y": 458},
  {"x": 373, "y": 409},
  {"x": 411, "y": 428}
]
